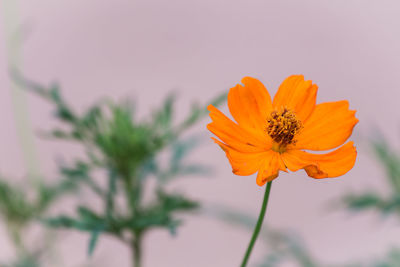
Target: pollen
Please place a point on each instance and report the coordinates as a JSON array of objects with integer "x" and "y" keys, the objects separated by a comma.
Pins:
[{"x": 282, "y": 127}]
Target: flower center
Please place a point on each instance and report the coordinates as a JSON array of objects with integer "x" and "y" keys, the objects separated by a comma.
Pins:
[{"x": 282, "y": 126}]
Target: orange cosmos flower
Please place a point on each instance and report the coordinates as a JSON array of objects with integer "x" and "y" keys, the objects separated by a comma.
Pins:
[{"x": 271, "y": 136}]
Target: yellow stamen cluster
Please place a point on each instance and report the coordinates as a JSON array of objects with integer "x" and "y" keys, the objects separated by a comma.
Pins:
[{"x": 282, "y": 126}]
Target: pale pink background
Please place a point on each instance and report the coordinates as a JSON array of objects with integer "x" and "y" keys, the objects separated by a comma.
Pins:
[{"x": 144, "y": 49}]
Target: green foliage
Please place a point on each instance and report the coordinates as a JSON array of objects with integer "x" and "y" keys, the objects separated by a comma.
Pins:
[
  {"x": 128, "y": 151},
  {"x": 385, "y": 204},
  {"x": 282, "y": 247},
  {"x": 20, "y": 206},
  {"x": 13, "y": 204},
  {"x": 388, "y": 204},
  {"x": 23, "y": 262},
  {"x": 392, "y": 259}
]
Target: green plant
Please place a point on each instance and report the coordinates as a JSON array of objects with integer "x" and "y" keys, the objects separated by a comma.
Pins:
[
  {"x": 389, "y": 159},
  {"x": 127, "y": 152},
  {"x": 23, "y": 205}
]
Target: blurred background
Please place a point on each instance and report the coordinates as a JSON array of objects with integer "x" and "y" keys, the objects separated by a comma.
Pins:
[{"x": 102, "y": 51}]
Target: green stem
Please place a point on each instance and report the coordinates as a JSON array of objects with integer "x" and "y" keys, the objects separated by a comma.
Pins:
[
  {"x": 14, "y": 39},
  {"x": 132, "y": 191},
  {"x": 15, "y": 231},
  {"x": 132, "y": 195},
  {"x": 258, "y": 225},
  {"x": 137, "y": 251}
]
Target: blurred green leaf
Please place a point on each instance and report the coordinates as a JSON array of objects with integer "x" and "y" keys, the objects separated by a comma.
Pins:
[
  {"x": 390, "y": 162},
  {"x": 13, "y": 204},
  {"x": 93, "y": 240},
  {"x": 385, "y": 204},
  {"x": 363, "y": 201},
  {"x": 128, "y": 151}
]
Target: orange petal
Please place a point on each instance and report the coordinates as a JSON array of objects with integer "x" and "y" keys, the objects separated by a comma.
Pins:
[
  {"x": 243, "y": 163},
  {"x": 329, "y": 126},
  {"x": 270, "y": 168},
  {"x": 250, "y": 104},
  {"x": 234, "y": 135},
  {"x": 267, "y": 163},
  {"x": 333, "y": 164},
  {"x": 298, "y": 95}
]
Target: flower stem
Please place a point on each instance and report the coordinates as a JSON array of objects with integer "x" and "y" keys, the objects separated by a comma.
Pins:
[{"x": 258, "y": 225}]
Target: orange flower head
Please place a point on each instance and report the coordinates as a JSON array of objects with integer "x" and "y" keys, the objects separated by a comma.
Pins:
[{"x": 271, "y": 136}]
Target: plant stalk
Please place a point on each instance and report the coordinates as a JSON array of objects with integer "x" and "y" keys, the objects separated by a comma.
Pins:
[
  {"x": 258, "y": 225},
  {"x": 137, "y": 251},
  {"x": 132, "y": 192}
]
